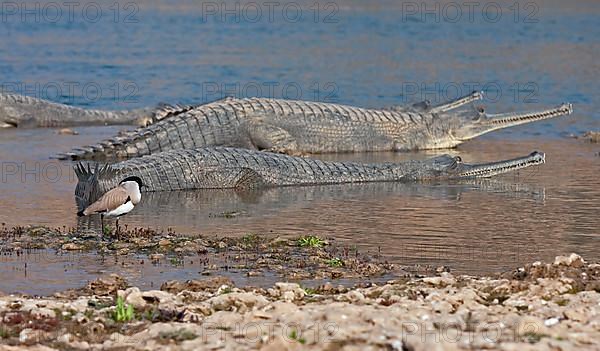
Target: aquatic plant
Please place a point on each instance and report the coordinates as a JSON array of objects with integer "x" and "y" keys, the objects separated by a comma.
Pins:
[
  {"x": 311, "y": 241},
  {"x": 335, "y": 262},
  {"x": 250, "y": 239},
  {"x": 123, "y": 314},
  {"x": 107, "y": 230},
  {"x": 309, "y": 290}
]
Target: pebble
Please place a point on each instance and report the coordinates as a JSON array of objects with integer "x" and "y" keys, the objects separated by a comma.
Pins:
[
  {"x": 164, "y": 242},
  {"x": 551, "y": 321},
  {"x": 71, "y": 247},
  {"x": 573, "y": 260},
  {"x": 433, "y": 313},
  {"x": 67, "y": 131}
]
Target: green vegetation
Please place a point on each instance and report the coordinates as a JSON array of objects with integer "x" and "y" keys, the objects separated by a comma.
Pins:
[
  {"x": 532, "y": 337},
  {"x": 250, "y": 239},
  {"x": 107, "y": 230},
  {"x": 309, "y": 291},
  {"x": 335, "y": 262},
  {"x": 123, "y": 314},
  {"x": 63, "y": 316},
  {"x": 574, "y": 290},
  {"x": 4, "y": 333},
  {"x": 176, "y": 261},
  {"x": 294, "y": 336},
  {"x": 149, "y": 315},
  {"x": 311, "y": 241}
]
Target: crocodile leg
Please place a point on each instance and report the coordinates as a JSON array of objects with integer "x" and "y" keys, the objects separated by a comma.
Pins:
[
  {"x": 267, "y": 137},
  {"x": 233, "y": 177}
]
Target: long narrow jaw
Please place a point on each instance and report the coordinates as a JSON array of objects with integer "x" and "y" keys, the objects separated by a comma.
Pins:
[
  {"x": 504, "y": 120},
  {"x": 486, "y": 123},
  {"x": 486, "y": 170},
  {"x": 454, "y": 104}
]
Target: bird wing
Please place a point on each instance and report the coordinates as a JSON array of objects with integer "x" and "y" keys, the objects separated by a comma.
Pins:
[{"x": 109, "y": 201}]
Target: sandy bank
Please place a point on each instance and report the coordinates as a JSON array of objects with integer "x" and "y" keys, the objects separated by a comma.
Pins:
[{"x": 542, "y": 306}]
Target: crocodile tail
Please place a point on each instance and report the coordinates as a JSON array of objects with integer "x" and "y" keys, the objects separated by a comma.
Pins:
[
  {"x": 106, "y": 149},
  {"x": 167, "y": 110},
  {"x": 88, "y": 190},
  {"x": 117, "y": 146},
  {"x": 146, "y": 140}
]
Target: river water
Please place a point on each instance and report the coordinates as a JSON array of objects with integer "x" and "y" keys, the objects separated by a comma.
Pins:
[{"x": 536, "y": 54}]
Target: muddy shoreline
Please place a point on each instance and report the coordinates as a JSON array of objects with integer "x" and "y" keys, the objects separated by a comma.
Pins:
[
  {"x": 306, "y": 257},
  {"x": 539, "y": 306}
]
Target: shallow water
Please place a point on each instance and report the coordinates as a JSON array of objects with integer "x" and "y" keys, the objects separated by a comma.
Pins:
[
  {"x": 477, "y": 227},
  {"x": 370, "y": 55}
]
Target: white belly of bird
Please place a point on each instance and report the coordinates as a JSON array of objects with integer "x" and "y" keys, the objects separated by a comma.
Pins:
[{"x": 121, "y": 210}]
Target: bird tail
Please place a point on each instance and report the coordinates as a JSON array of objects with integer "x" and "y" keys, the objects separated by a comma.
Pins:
[
  {"x": 87, "y": 190},
  {"x": 80, "y": 214}
]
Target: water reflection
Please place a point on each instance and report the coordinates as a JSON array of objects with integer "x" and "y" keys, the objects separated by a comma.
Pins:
[{"x": 208, "y": 208}]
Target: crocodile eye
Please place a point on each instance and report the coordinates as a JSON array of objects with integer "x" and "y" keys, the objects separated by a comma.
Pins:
[{"x": 458, "y": 159}]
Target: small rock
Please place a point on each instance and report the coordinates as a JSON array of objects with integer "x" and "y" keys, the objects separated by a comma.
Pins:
[
  {"x": 327, "y": 287},
  {"x": 593, "y": 137},
  {"x": 29, "y": 335},
  {"x": 551, "y": 321},
  {"x": 355, "y": 296},
  {"x": 71, "y": 247},
  {"x": 94, "y": 328},
  {"x": 43, "y": 313},
  {"x": 133, "y": 296},
  {"x": 576, "y": 315},
  {"x": 444, "y": 279},
  {"x": 155, "y": 258},
  {"x": 107, "y": 285},
  {"x": 164, "y": 242},
  {"x": 288, "y": 296},
  {"x": 529, "y": 325},
  {"x": 15, "y": 305},
  {"x": 237, "y": 301},
  {"x": 574, "y": 260},
  {"x": 157, "y": 296},
  {"x": 67, "y": 131},
  {"x": 212, "y": 283},
  {"x": 65, "y": 338},
  {"x": 297, "y": 293}
]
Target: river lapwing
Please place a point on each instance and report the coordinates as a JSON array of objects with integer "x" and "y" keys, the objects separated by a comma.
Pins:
[{"x": 117, "y": 201}]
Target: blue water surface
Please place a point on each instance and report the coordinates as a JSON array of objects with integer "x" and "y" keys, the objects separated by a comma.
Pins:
[{"x": 524, "y": 55}]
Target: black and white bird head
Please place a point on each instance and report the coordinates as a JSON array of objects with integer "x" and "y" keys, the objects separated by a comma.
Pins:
[
  {"x": 132, "y": 185},
  {"x": 133, "y": 179}
]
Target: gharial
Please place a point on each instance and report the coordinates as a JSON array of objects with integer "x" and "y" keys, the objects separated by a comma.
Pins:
[
  {"x": 20, "y": 111},
  {"x": 300, "y": 127},
  {"x": 215, "y": 168}
]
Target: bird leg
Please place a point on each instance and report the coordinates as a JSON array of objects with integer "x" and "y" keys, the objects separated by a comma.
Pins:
[
  {"x": 117, "y": 228},
  {"x": 102, "y": 225}
]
